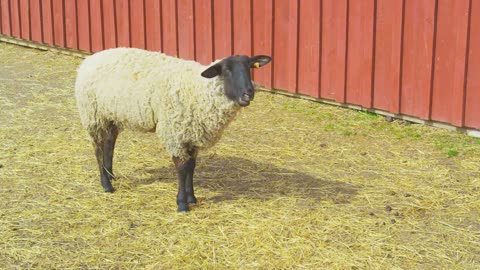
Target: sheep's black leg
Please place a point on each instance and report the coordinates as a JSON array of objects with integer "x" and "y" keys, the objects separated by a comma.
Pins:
[
  {"x": 104, "y": 180},
  {"x": 104, "y": 144},
  {"x": 189, "y": 179},
  {"x": 183, "y": 167},
  {"x": 108, "y": 148}
]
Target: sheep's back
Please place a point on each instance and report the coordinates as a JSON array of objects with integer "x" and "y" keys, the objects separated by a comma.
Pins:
[{"x": 128, "y": 86}]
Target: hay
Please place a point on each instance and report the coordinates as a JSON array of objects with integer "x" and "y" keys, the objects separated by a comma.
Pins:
[{"x": 292, "y": 184}]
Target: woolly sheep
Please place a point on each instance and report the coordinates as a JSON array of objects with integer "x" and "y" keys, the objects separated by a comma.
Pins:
[{"x": 186, "y": 104}]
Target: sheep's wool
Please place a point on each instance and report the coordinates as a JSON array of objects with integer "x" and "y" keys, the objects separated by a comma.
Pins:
[{"x": 150, "y": 91}]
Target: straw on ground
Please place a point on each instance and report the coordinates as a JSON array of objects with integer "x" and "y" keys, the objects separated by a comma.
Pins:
[{"x": 292, "y": 184}]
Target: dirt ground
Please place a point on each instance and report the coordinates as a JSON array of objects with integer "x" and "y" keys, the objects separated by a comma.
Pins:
[{"x": 292, "y": 184}]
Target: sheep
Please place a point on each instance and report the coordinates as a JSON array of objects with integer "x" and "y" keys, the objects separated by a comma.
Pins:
[{"x": 188, "y": 105}]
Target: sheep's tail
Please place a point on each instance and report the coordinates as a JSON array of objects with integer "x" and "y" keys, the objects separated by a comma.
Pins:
[{"x": 87, "y": 107}]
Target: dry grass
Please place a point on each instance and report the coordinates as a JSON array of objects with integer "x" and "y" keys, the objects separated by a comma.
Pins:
[{"x": 292, "y": 184}]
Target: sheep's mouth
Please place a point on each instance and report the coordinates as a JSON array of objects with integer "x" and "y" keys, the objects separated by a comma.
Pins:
[
  {"x": 243, "y": 103},
  {"x": 244, "y": 100}
]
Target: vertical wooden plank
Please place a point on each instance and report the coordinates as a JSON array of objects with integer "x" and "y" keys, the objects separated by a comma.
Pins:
[
  {"x": 186, "y": 35},
  {"x": 137, "y": 23},
  {"x": 24, "y": 6},
  {"x": 203, "y": 31},
  {"x": 5, "y": 21},
  {"x": 153, "y": 25},
  {"x": 449, "y": 78},
  {"x": 472, "y": 99},
  {"x": 58, "y": 23},
  {"x": 242, "y": 36},
  {"x": 285, "y": 42},
  {"x": 222, "y": 28},
  {"x": 47, "y": 22},
  {"x": 388, "y": 49},
  {"x": 96, "y": 25},
  {"x": 71, "y": 35},
  {"x": 83, "y": 12},
  {"x": 123, "y": 23},
  {"x": 417, "y": 58},
  {"x": 36, "y": 20},
  {"x": 15, "y": 18},
  {"x": 360, "y": 53},
  {"x": 169, "y": 27},
  {"x": 109, "y": 33},
  {"x": 262, "y": 39},
  {"x": 309, "y": 48},
  {"x": 334, "y": 40}
]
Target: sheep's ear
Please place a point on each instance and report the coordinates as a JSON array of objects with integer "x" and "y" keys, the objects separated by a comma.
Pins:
[
  {"x": 259, "y": 61},
  {"x": 212, "y": 71}
]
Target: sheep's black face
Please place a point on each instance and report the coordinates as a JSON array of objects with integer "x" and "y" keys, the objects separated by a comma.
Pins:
[{"x": 235, "y": 71}]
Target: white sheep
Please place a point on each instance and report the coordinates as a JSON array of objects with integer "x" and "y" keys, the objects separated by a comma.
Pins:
[{"x": 187, "y": 104}]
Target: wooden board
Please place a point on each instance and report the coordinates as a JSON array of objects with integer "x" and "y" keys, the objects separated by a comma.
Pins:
[
  {"x": 137, "y": 24},
  {"x": 472, "y": 95},
  {"x": 15, "y": 19},
  {"x": 122, "y": 23},
  {"x": 58, "y": 23},
  {"x": 417, "y": 59},
  {"x": 109, "y": 28},
  {"x": 153, "y": 20},
  {"x": 309, "y": 47},
  {"x": 24, "y": 7},
  {"x": 96, "y": 25},
  {"x": 388, "y": 54},
  {"x": 450, "y": 55},
  {"x": 47, "y": 22},
  {"x": 262, "y": 39},
  {"x": 334, "y": 41},
  {"x": 169, "y": 27},
  {"x": 203, "y": 31},
  {"x": 36, "y": 20},
  {"x": 186, "y": 35},
  {"x": 222, "y": 28},
  {"x": 71, "y": 35},
  {"x": 242, "y": 27},
  {"x": 360, "y": 53},
  {"x": 285, "y": 45},
  {"x": 5, "y": 17}
]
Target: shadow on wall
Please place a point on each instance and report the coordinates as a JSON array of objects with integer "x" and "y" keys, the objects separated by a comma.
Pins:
[{"x": 233, "y": 178}]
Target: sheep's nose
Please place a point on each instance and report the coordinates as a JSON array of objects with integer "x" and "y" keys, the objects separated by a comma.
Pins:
[{"x": 248, "y": 94}]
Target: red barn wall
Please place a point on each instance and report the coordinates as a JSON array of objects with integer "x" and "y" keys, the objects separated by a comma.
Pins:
[{"x": 418, "y": 58}]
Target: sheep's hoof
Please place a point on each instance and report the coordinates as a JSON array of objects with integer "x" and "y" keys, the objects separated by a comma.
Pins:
[
  {"x": 109, "y": 189},
  {"x": 182, "y": 207},
  {"x": 191, "y": 200}
]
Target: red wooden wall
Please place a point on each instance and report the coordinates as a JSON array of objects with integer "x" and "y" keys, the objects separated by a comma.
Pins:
[{"x": 414, "y": 57}]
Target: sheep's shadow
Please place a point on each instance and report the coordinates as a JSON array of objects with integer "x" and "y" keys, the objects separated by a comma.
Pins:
[{"x": 233, "y": 178}]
